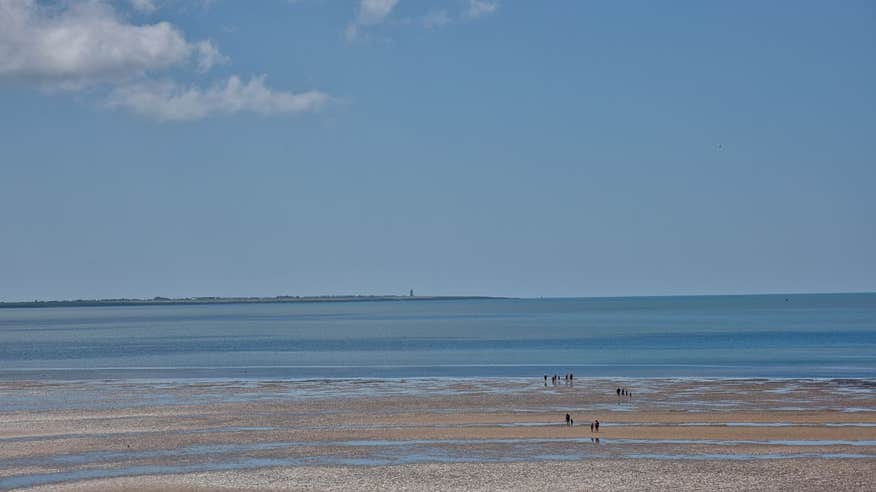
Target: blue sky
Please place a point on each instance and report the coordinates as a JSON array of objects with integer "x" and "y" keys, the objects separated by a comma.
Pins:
[{"x": 520, "y": 148}]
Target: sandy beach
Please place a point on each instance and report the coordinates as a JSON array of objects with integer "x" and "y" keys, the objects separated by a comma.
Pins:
[{"x": 439, "y": 434}]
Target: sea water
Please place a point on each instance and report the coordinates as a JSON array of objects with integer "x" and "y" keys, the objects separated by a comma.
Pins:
[{"x": 774, "y": 336}]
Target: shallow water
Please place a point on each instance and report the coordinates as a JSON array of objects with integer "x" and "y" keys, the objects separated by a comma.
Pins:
[
  {"x": 725, "y": 336},
  {"x": 678, "y": 394}
]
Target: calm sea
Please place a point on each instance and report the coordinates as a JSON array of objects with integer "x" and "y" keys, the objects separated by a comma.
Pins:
[{"x": 712, "y": 336}]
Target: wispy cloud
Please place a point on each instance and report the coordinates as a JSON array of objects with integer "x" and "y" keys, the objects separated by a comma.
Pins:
[
  {"x": 479, "y": 8},
  {"x": 469, "y": 11},
  {"x": 145, "y": 6},
  {"x": 209, "y": 56},
  {"x": 170, "y": 101},
  {"x": 436, "y": 18},
  {"x": 371, "y": 12},
  {"x": 374, "y": 11}
]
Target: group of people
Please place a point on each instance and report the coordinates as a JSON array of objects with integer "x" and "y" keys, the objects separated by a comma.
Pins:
[
  {"x": 555, "y": 379},
  {"x": 594, "y": 426},
  {"x": 569, "y": 379}
]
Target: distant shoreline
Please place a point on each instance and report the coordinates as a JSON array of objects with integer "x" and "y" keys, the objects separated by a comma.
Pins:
[{"x": 165, "y": 301}]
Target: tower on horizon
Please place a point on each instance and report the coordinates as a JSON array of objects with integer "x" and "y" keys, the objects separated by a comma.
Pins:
[{"x": 412, "y": 292}]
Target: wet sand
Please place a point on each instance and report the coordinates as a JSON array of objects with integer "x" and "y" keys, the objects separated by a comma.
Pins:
[{"x": 438, "y": 434}]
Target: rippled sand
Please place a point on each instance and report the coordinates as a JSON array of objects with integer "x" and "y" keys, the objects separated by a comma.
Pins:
[{"x": 439, "y": 433}]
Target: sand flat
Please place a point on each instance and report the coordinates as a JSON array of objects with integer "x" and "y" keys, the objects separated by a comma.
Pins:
[{"x": 493, "y": 434}]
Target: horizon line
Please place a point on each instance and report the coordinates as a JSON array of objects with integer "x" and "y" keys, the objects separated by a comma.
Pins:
[{"x": 159, "y": 300}]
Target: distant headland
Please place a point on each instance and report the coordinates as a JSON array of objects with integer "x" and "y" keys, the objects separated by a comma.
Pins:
[{"x": 155, "y": 301}]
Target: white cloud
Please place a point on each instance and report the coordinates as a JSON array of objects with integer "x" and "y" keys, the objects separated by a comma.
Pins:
[
  {"x": 374, "y": 11},
  {"x": 78, "y": 44},
  {"x": 479, "y": 8},
  {"x": 371, "y": 12},
  {"x": 170, "y": 101},
  {"x": 209, "y": 56},
  {"x": 87, "y": 42}
]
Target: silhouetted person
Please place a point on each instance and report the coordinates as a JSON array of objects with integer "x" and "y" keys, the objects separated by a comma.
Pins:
[
  {"x": 568, "y": 418},
  {"x": 618, "y": 392},
  {"x": 571, "y": 422},
  {"x": 545, "y": 379},
  {"x": 596, "y": 424},
  {"x": 591, "y": 426}
]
